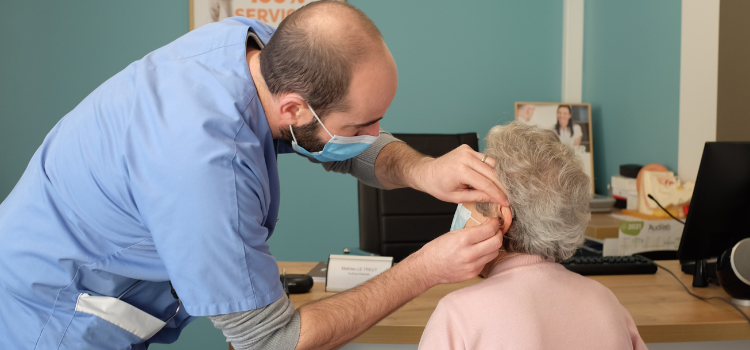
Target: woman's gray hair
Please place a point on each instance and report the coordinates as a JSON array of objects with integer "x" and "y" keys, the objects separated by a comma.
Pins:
[{"x": 546, "y": 187}]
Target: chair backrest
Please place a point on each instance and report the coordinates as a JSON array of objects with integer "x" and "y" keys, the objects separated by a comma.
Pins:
[{"x": 399, "y": 222}]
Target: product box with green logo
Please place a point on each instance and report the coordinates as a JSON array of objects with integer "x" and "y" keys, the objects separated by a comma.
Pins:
[{"x": 637, "y": 236}]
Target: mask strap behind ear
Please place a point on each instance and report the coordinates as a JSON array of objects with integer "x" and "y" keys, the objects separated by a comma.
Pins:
[
  {"x": 319, "y": 121},
  {"x": 293, "y": 137}
]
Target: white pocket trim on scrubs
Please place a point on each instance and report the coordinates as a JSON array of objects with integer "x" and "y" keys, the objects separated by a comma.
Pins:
[{"x": 121, "y": 314}]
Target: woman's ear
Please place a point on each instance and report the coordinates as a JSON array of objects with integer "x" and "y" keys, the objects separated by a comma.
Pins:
[{"x": 506, "y": 219}]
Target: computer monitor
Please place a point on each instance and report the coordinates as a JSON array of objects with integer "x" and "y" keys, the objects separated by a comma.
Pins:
[{"x": 719, "y": 214}]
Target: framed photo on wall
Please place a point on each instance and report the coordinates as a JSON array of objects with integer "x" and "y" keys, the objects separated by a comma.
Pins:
[
  {"x": 570, "y": 121},
  {"x": 270, "y": 12}
]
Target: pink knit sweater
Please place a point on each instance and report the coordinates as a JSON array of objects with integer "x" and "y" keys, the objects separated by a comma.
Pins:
[{"x": 531, "y": 303}]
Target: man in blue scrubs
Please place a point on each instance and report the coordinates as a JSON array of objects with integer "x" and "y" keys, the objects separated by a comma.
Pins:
[{"x": 151, "y": 202}]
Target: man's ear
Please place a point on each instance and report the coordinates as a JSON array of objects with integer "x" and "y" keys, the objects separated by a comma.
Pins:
[
  {"x": 506, "y": 218},
  {"x": 293, "y": 110}
]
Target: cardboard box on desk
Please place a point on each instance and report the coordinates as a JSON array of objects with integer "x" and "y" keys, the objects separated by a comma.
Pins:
[
  {"x": 624, "y": 188},
  {"x": 639, "y": 235}
]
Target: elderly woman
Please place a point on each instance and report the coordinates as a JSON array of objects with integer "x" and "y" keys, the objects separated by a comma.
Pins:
[{"x": 529, "y": 301}]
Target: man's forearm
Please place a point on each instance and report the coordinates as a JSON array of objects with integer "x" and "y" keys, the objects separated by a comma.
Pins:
[
  {"x": 334, "y": 321},
  {"x": 395, "y": 165}
]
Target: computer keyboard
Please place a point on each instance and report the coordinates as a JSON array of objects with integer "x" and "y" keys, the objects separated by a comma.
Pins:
[{"x": 610, "y": 265}]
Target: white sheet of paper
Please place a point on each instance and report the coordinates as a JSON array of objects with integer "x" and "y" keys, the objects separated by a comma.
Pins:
[{"x": 348, "y": 271}]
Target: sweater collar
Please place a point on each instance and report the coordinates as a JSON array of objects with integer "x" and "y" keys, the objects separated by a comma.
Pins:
[{"x": 519, "y": 261}]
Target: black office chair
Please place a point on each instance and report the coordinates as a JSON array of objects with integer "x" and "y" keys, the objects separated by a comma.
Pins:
[{"x": 398, "y": 222}]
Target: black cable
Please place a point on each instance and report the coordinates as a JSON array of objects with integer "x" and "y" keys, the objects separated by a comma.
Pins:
[
  {"x": 703, "y": 298},
  {"x": 665, "y": 210}
]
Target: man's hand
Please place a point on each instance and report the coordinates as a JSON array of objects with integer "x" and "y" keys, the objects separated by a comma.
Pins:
[
  {"x": 458, "y": 255},
  {"x": 453, "y": 257},
  {"x": 459, "y": 176}
]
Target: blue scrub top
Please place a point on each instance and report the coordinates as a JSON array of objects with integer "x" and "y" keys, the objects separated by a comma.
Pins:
[{"x": 166, "y": 172}]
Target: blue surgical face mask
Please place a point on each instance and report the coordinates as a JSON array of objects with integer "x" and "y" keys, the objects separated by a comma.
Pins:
[
  {"x": 338, "y": 148},
  {"x": 461, "y": 217}
]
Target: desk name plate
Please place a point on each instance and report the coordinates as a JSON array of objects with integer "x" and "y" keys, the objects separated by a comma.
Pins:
[{"x": 348, "y": 271}]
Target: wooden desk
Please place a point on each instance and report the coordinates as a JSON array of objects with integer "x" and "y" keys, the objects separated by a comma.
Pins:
[{"x": 661, "y": 308}]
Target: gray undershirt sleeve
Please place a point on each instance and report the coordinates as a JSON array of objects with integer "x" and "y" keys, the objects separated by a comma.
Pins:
[
  {"x": 362, "y": 166},
  {"x": 275, "y": 326}
]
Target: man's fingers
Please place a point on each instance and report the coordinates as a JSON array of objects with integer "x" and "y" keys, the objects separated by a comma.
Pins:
[
  {"x": 483, "y": 231},
  {"x": 484, "y": 259},
  {"x": 489, "y": 161},
  {"x": 469, "y": 195},
  {"x": 482, "y": 183},
  {"x": 487, "y": 169},
  {"x": 487, "y": 246}
]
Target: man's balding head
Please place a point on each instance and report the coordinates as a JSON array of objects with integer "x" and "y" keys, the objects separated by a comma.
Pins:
[{"x": 315, "y": 51}]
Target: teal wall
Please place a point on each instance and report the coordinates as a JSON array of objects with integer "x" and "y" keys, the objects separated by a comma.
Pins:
[
  {"x": 461, "y": 68},
  {"x": 631, "y": 76},
  {"x": 54, "y": 53}
]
